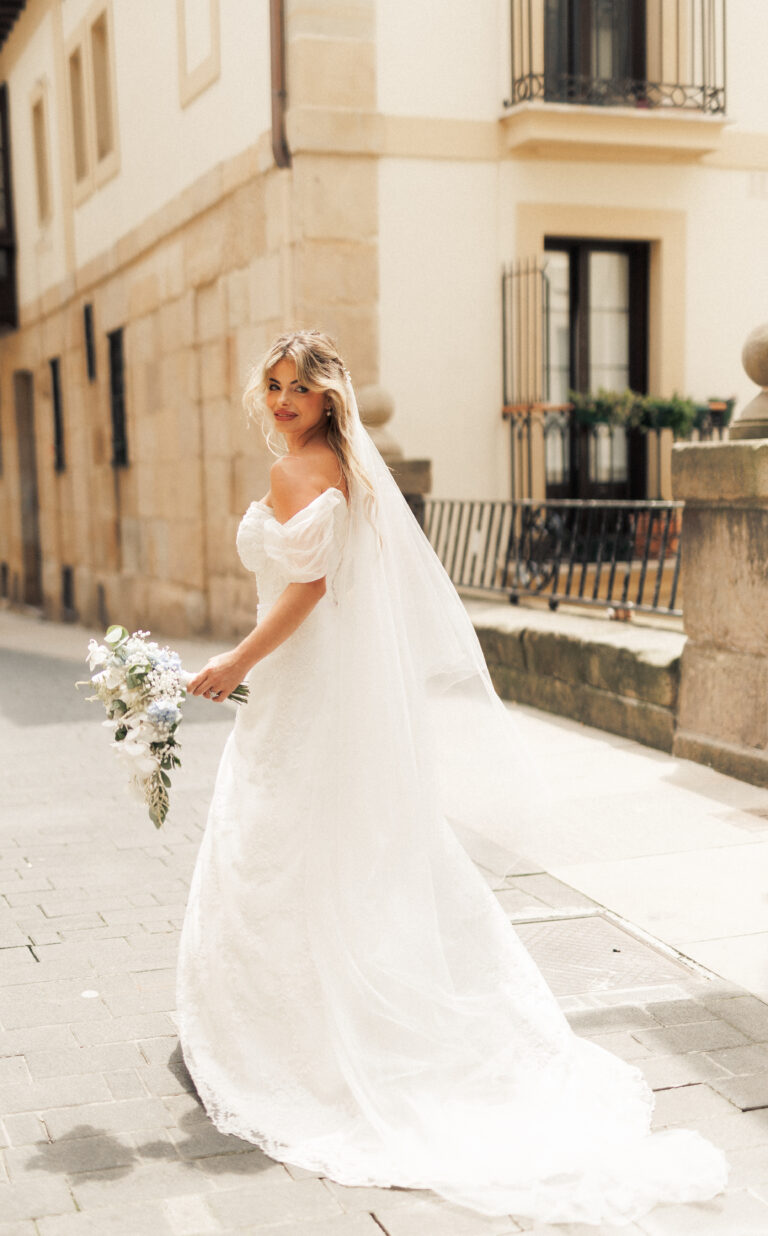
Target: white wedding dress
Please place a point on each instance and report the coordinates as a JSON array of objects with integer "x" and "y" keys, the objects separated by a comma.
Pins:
[{"x": 351, "y": 996}]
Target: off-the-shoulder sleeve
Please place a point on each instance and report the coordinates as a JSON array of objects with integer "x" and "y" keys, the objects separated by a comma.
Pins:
[{"x": 305, "y": 546}]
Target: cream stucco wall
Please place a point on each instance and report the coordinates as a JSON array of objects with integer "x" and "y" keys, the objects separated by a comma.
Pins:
[
  {"x": 164, "y": 147},
  {"x": 41, "y": 249},
  {"x": 439, "y": 312},
  {"x": 442, "y": 57}
]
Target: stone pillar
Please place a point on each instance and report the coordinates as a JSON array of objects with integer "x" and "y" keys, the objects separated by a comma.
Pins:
[
  {"x": 413, "y": 476},
  {"x": 722, "y": 715}
]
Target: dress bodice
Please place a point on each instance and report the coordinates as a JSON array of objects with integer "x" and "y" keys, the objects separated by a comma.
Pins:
[{"x": 307, "y": 546}]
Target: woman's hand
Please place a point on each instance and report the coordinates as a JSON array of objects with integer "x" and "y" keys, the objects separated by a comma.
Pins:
[{"x": 219, "y": 677}]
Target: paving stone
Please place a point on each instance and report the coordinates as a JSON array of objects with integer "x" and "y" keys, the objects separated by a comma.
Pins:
[
  {"x": 24, "y": 1129},
  {"x": 737, "y": 1213},
  {"x": 552, "y": 892},
  {"x": 54, "y": 1092},
  {"x": 679, "y": 1012},
  {"x": 663, "y": 1072},
  {"x": 142, "y": 1219},
  {"x": 33, "y": 1198},
  {"x": 23, "y": 1227},
  {"x": 747, "y": 1013},
  {"x": 90, "y": 1119},
  {"x": 354, "y": 1198},
  {"x": 164, "y": 1081},
  {"x": 341, "y": 1225},
  {"x": 78, "y": 1060},
  {"x": 36, "y": 1038},
  {"x": 624, "y": 1045},
  {"x": 619, "y": 1017},
  {"x": 747, "y": 1092},
  {"x": 751, "y": 1059},
  {"x": 76, "y": 1155},
  {"x": 125, "y": 1029},
  {"x": 698, "y": 1036},
  {"x": 749, "y": 1168},
  {"x": 737, "y": 1129},
  {"x": 190, "y": 1216},
  {"x": 269, "y": 1200},
  {"x": 439, "y": 1218},
  {"x": 205, "y": 1139},
  {"x": 684, "y": 1104},
  {"x": 158, "y": 1050},
  {"x": 184, "y": 1108},
  {"x": 17, "y": 1011},
  {"x": 144, "y": 1183},
  {"x": 125, "y": 1084},
  {"x": 221, "y": 1168},
  {"x": 13, "y": 1069}
]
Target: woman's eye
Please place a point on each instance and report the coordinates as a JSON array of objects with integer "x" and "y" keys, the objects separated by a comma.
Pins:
[{"x": 301, "y": 390}]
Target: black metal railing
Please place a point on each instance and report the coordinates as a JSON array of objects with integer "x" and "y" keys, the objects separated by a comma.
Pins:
[
  {"x": 621, "y": 555},
  {"x": 551, "y": 453},
  {"x": 619, "y": 53}
]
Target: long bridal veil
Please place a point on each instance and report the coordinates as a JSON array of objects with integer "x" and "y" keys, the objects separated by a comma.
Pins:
[{"x": 465, "y": 1072}]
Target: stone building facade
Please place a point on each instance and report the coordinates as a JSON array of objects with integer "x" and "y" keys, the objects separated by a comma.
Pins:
[{"x": 188, "y": 178}]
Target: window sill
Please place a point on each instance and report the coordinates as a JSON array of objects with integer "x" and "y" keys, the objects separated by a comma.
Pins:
[{"x": 626, "y": 134}]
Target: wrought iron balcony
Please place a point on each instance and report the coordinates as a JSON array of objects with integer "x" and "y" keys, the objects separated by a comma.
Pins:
[{"x": 619, "y": 53}]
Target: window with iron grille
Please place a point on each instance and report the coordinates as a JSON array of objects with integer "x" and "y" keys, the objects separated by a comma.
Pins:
[
  {"x": 59, "y": 461},
  {"x": 90, "y": 343},
  {"x": 117, "y": 398},
  {"x": 619, "y": 53}
]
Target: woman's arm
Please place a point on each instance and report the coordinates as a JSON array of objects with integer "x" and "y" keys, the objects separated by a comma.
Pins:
[
  {"x": 224, "y": 672},
  {"x": 290, "y": 491}
]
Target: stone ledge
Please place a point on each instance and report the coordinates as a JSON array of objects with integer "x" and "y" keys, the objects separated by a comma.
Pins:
[{"x": 619, "y": 678}]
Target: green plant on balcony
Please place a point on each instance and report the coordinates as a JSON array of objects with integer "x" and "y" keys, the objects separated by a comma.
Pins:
[{"x": 631, "y": 410}]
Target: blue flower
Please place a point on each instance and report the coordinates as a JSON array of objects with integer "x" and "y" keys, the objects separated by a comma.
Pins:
[{"x": 163, "y": 712}]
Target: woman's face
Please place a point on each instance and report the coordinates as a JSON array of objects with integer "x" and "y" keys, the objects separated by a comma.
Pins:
[{"x": 296, "y": 410}]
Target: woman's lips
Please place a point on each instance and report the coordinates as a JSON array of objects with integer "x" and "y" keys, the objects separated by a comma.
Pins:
[{"x": 284, "y": 416}]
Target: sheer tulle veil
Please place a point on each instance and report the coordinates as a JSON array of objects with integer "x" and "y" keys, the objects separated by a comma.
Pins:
[
  {"x": 407, "y": 613},
  {"x": 456, "y": 1051}
]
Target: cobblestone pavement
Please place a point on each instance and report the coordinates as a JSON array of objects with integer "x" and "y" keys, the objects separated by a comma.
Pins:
[{"x": 101, "y": 1133}]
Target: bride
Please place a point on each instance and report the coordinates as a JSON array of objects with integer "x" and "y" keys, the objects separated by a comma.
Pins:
[{"x": 351, "y": 996}]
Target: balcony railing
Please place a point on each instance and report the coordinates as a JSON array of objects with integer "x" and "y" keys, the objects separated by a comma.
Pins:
[
  {"x": 619, "y": 53},
  {"x": 620, "y": 555}
]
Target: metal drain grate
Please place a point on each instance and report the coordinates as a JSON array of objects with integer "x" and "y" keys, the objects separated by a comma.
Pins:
[{"x": 584, "y": 955}]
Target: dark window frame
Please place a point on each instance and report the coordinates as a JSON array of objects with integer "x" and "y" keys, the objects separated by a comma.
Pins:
[
  {"x": 59, "y": 453},
  {"x": 117, "y": 398},
  {"x": 571, "y": 40},
  {"x": 90, "y": 342},
  {"x": 8, "y": 292},
  {"x": 578, "y": 249}
]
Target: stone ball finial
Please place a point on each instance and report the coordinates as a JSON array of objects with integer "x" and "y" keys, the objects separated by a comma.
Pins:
[
  {"x": 754, "y": 355},
  {"x": 752, "y": 421},
  {"x": 376, "y": 408}
]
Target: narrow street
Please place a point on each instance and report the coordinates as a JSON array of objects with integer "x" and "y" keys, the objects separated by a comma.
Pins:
[{"x": 101, "y": 1134}]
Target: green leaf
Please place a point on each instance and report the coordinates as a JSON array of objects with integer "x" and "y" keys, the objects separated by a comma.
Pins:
[
  {"x": 115, "y": 635},
  {"x": 166, "y": 780}
]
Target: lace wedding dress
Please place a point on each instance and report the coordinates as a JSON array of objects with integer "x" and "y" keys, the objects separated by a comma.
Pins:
[{"x": 351, "y": 996}]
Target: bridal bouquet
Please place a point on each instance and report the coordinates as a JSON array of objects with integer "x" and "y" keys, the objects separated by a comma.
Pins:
[{"x": 142, "y": 687}]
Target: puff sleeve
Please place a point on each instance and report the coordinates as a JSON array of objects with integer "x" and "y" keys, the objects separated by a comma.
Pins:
[{"x": 305, "y": 547}]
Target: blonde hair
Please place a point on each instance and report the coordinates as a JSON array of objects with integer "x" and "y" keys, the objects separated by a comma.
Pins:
[{"x": 320, "y": 368}]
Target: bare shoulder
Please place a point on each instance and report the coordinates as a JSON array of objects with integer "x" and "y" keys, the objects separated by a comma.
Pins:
[{"x": 296, "y": 480}]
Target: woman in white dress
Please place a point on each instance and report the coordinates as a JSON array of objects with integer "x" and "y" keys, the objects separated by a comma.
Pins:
[{"x": 351, "y": 996}]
